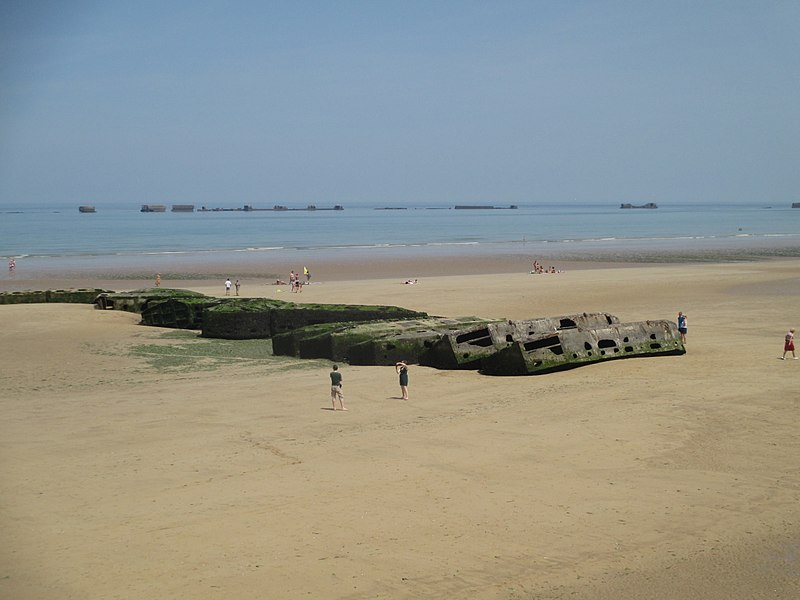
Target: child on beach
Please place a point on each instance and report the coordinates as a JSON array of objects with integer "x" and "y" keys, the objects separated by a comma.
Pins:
[{"x": 788, "y": 344}]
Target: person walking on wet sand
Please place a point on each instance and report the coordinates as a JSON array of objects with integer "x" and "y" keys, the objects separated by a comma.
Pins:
[
  {"x": 228, "y": 286},
  {"x": 402, "y": 370},
  {"x": 336, "y": 388},
  {"x": 788, "y": 344},
  {"x": 683, "y": 327}
]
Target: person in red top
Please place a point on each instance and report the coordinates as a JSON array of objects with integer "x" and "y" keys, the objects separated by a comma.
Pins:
[{"x": 788, "y": 345}]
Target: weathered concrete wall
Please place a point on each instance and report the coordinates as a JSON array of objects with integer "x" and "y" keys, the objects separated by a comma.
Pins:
[
  {"x": 272, "y": 318},
  {"x": 576, "y": 347},
  {"x": 177, "y": 313},
  {"x": 466, "y": 348},
  {"x": 137, "y": 300},
  {"x": 75, "y": 296},
  {"x": 241, "y": 319}
]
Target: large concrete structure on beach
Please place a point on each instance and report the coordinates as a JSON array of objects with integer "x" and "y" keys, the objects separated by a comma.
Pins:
[{"x": 382, "y": 335}]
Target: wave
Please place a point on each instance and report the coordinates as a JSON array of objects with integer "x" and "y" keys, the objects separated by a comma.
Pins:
[{"x": 524, "y": 243}]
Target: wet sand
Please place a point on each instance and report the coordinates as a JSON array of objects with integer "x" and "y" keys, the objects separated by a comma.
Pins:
[{"x": 141, "y": 463}]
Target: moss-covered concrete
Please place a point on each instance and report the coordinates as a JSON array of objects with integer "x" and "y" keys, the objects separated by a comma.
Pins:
[
  {"x": 383, "y": 335},
  {"x": 296, "y": 316},
  {"x": 71, "y": 296},
  {"x": 241, "y": 319},
  {"x": 271, "y": 318},
  {"x": 178, "y": 313},
  {"x": 137, "y": 300}
]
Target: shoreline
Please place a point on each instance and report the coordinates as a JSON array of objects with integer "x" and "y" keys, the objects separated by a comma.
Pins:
[{"x": 408, "y": 262}]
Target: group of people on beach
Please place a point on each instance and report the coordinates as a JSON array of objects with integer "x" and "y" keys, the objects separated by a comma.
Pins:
[
  {"x": 296, "y": 283},
  {"x": 401, "y": 368},
  {"x": 228, "y": 285},
  {"x": 538, "y": 269}
]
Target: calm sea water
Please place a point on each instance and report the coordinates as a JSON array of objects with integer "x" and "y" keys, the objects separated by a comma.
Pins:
[{"x": 45, "y": 236}]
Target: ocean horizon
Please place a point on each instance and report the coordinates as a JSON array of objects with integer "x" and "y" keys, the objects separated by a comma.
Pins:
[{"x": 60, "y": 238}]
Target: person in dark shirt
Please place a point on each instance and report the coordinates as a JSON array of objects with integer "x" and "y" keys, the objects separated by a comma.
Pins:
[
  {"x": 336, "y": 388},
  {"x": 402, "y": 370}
]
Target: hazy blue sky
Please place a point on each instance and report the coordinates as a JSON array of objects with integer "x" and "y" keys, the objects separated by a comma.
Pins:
[{"x": 228, "y": 103}]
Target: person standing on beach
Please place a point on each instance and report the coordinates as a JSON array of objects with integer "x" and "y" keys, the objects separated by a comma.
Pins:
[
  {"x": 788, "y": 344},
  {"x": 158, "y": 279},
  {"x": 237, "y": 285},
  {"x": 12, "y": 264},
  {"x": 336, "y": 388},
  {"x": 307, "y": 274},
  {"x": 228, "y": 286},
  {"x": 683, "y": 326},
  {"x": 402, "y": 370}
]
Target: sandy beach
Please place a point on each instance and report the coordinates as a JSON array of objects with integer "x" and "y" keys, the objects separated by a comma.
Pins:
[{"x": 142, "y": 462}]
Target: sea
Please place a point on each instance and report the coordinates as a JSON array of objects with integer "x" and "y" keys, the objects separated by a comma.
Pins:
[{"x": 50, "y": 239}]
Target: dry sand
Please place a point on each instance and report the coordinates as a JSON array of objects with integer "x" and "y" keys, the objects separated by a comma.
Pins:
[{"x": 129, "y": 473}]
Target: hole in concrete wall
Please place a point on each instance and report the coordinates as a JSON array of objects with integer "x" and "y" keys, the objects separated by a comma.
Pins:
[
  {"x": 471, "y": 336},
  {"x": 553, "y": 340},
  {"x": 566, "y": 324},
  {"x": 655, "y": 346},
  {"x": 652, "y": 336},
  {"x": 587, "y": 346},
  {"x": 609, "y": 319},
  {"x": 574, "y": 355},
  {"x": 625, "y": 339},
  {"x": 558, "y": 350},
  {"x": 606, "y": 344},
  {"x": 509, "y": 338},
  {"x": 628, "y": 348}
]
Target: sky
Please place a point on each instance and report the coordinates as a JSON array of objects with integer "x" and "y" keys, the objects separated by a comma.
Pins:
[{"x": 406, "y": 102}]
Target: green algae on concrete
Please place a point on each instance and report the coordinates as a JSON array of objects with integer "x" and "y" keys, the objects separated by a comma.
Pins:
[
  {"x": 370, "y": 343},
  {"x": 178, "y": 312},
  {"x": 295, "y": 316},
  {"x": 70, "y": 296},
  {"x": 241, "y": 319},
  {"x": 269, "y": 318},
  {"x": 137, "y": 300}
]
